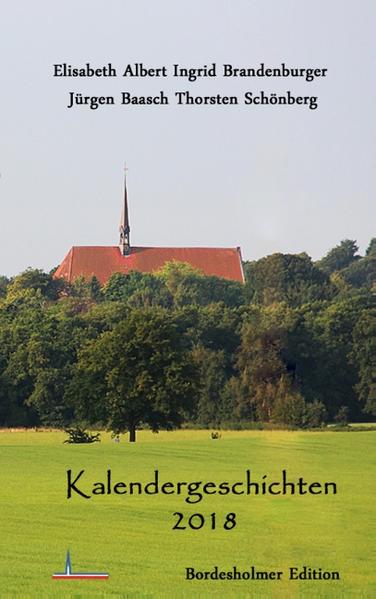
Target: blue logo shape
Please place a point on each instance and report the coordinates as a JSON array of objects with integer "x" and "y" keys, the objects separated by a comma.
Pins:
[{"x": 69, "y": 574}]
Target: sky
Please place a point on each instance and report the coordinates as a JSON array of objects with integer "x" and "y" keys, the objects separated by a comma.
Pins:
[{"x": 267, "y": 179}]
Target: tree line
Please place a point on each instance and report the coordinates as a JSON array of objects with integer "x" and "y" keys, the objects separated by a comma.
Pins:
[{"x": 294, "y": 346}]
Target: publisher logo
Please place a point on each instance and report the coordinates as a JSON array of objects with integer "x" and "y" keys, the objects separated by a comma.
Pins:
[{"x": 69, "y": 574}]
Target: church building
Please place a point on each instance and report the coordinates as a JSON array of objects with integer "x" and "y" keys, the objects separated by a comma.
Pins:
[{"x": 104, "y": 261}]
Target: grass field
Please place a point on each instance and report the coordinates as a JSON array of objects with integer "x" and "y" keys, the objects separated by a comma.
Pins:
[{"x": 131, "y": 537}]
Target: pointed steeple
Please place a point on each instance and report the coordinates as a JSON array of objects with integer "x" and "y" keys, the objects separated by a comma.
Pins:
[{"x": 124, "y": 243}]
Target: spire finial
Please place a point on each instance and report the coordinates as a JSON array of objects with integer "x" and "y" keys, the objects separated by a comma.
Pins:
[{"x": 125, "y": 244}]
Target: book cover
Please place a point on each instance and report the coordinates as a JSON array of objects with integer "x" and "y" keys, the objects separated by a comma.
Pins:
[{"x": 187, "y": 284}]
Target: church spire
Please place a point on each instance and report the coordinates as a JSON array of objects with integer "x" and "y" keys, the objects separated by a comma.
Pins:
[{"x": 124, "y": 243}]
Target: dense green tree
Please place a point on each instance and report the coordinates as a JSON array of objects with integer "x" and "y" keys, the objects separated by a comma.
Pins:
[
  {"x": 188, "y": 286},
  {"x": 234, "y": 404},
  {"x": 137, "y": 289},
  {"x": 371, "y": 250},
  {"x": 364, "y": 358},
  {"x": 289, "y": 278},
  {"x": 21, "y": 315},
  {"x": 289, "y": 406},
  {"x": 4, "y": 282},
  {"x": 361, "y": 273},
  {"x": 327, "y": 373},
  {"x": 83, "y": 289},
  {"x": 342, "y": 416},
  {"x": 261, "y": 359},
  {"x": 339, "y": 257},
  {"x": 210, "y": 366},
  {"x": 315, "y": 414},
  {"x": 217, "y": 327},
  {"x": 35, "y": 279},
  {"x": 140, "y": 372},
  {"x": 40, "y": 366}
]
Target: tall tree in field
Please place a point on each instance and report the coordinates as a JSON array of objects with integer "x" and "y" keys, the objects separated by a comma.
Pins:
[{"x": 138, "y": 373}]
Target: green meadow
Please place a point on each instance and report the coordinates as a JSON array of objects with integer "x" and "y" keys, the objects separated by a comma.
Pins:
[{"x": 132, "y": 536}]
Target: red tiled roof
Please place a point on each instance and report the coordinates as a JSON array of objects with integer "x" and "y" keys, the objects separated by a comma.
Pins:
[{"x": 103, "y": 261}]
